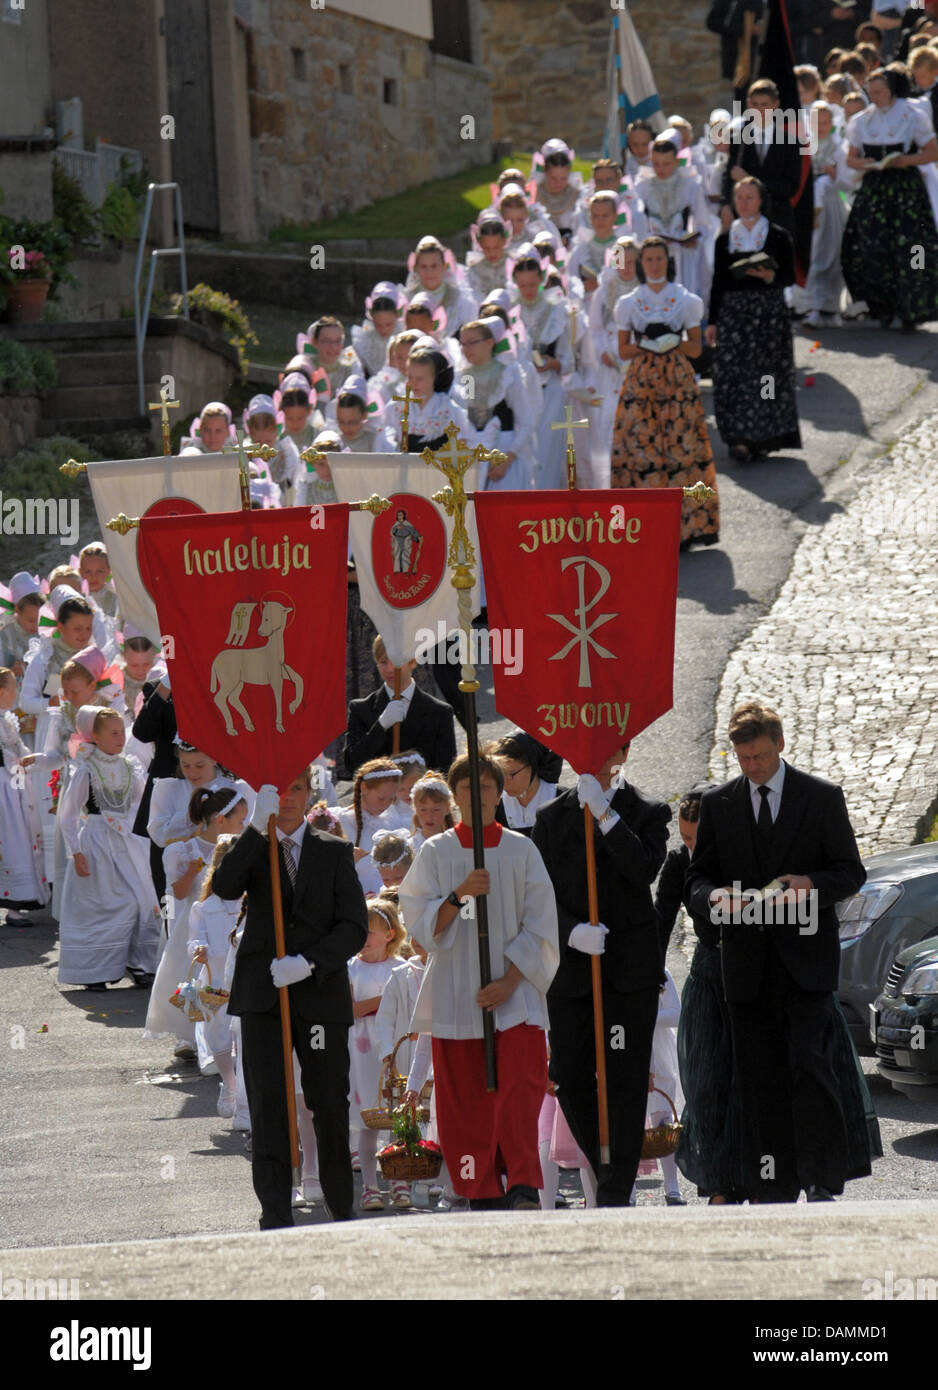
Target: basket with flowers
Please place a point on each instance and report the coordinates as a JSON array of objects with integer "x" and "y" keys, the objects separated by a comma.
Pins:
[
  {"x": 409, "y": 1158},
  {"x": 55, "y": 788}
]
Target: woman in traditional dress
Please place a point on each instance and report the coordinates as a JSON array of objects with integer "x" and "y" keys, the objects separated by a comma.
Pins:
[
  {"x": 750, "y": 327},
  {"x": 660, "y": 436},
  {"x": 890, "y": 245}
]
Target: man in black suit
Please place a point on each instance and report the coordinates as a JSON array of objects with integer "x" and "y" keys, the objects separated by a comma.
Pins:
[
  {"x": 426, "y": 723},
  {"x": 326, "y": 923},
  {"x": 631, "y": 839},
  {"x": 775, "y": 159},
  {"x": 776, "y": 825}
]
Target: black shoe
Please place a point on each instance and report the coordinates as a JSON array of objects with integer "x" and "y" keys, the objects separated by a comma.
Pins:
[
  {"x": 521, "y": 1198},
  {"x": 908, "y": 326},
  {"x": 272, "y": 1223},
  {"x": 816, "y": 1193},
  {"x": 142, "y": 979},
  {"x": 486, "y": 1203},
  {"x": 674, "y": 1201},
  {"x": 100, "y": 986},
  {"x": 740, "y": 453},
  {"x": 339, "y": 1215}
]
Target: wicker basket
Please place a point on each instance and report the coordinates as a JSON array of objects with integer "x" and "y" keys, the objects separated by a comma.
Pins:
[
  {"x": 391, "y": 1088},
  {"x": 401, "y": 1166},
  {"x": 200, "y": 1003},
  {"x": 662, "y": 1140}
]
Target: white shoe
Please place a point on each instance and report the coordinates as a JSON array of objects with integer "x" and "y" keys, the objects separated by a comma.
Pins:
[
  {"x": 241, "y": 1121},
  {"x": 312, "y": 1192},
  {"x": 813, "y": 319},
  {"x": 298, "y": 1199},
  {"x": 226, "y": 1102},
  {"x": 833, "y": 321}
]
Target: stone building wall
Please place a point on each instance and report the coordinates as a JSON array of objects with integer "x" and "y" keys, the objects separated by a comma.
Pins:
[
  {"x": 548, "y": 64},
  {"x": 344, "y": 111},
  {"x": 19, "y": 419}
]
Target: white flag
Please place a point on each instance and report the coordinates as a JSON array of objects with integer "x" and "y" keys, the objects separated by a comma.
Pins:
[
  {"x": 638, "y": 91},
  {"x": 155, "y": 487},
  {"x": 401, "y": 555}
]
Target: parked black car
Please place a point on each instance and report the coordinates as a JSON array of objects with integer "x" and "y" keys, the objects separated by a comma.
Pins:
[
  {"x": 904, "y": 1020},
  {"x": 896, "y": 907}
]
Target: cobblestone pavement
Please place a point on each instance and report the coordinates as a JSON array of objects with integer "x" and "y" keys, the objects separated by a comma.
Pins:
[{"x": 848, "y": 653}]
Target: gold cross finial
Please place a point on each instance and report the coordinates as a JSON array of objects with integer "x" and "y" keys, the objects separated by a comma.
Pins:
[
  {"x": 165, "y": 405},
  {"x": 569, "y": 424},
  {"x": 405, "y": 414},
  {"x": 266, "y": 452}
]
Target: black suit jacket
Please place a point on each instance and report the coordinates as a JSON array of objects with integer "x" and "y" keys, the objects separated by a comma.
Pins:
[
  {"x": 780, "y": 171},
  {"x": 156, "y": 724},
  {"x": 325, "y": 920},
  {"x": 627, "y": 861},
  {"x": 428, "y": 728},
  {"x": 812, "y": 836},
  {"x": 670, "y": 894}
]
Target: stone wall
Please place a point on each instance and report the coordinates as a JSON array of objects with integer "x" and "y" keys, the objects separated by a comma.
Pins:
[
  {"x": 345, "y": 111},
  {"x": 548, "y": 64},
  {"x": 19, "y": 417}
]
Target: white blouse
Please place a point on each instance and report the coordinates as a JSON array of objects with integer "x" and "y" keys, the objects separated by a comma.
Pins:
[
  {"x": 672, "y": 304},
  {"x": 904, "y": 122}
]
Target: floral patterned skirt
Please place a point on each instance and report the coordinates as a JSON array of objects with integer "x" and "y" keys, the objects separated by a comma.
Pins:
[
  {"x": 660, "y": 437},
  {"x": 754, "y": 372},
  {"x": 890, "y": 247}
]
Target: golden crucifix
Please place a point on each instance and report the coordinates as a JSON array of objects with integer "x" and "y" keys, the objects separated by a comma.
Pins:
[
  {"x": 454, "y": 460},
  {"x": 165, "y": 405},
  {"x": 569, "y": 424},
  {"x": 405, "y": 415}
]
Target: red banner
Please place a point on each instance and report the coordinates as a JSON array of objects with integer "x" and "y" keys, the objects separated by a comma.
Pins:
[
  {"x": 582, "y": 587},
  {"x": 252, "y": 610}
]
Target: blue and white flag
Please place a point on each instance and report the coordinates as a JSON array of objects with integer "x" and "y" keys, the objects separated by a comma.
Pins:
[{"x": 632, "y": 83}]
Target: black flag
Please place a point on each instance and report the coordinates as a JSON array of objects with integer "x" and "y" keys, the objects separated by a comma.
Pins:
[{"x": 778, "y": 65}]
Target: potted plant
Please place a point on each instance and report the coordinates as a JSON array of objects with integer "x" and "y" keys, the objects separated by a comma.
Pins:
[{"x": 33, "y": 261}]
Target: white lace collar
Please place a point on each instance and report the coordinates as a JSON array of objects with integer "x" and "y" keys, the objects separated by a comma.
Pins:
[{"x": 743, "y": 238}]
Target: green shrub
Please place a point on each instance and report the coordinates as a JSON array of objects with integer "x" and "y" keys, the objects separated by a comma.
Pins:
[
  {"x": 216, "y": 310},
  {"x": 25, "y": 371},
  {"x": 78, "y": 218},
  {"x": 120, "y": 215},
  {"x": 35, "y": 472}
]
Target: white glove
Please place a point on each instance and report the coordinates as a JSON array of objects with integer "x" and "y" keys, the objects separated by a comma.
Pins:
[
  {"x": 393, "y": 713},
  {"x": 288, "y": 970},
  {"x": 266, "y": 804},
  {"x": 590, "y": 793},
  {"x": 588, "y": 938}
]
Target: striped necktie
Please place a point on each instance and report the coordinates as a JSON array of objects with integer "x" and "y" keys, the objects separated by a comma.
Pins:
[{"x": 286, "y": 851}]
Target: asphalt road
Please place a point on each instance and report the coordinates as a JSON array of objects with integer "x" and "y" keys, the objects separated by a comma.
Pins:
[{"x": 106, "y": 1138}]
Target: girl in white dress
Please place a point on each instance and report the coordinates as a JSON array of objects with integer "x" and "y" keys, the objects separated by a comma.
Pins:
[
  {"x": 110, "y": 915},
  {"x": 492, "y": 391},
  {"x": 392, "y": 855},
  {"x": 388, "y": 381},
  {"x": 356, "y": 412},
  {"x": 432, "y": 268},
  {"x": 213, "y": 811},
  {"x": 664, "y": 1076},
  {"x": 263, "y": 423},
  {"x": 370, "y": 339},
  {"x": 433, "y": 808},
  {"x": 432, "y": 406},
  {"x": 369, "y": 973},
  {"x": 487, "y": 263},
  {"x": 675, "y": 207},
  {"x": 374, "y": 790},
  {"x": 324, "y": 343},
  {"x": 392, "y": 1022},
  {"x": 212, "y": 920},
  {"x": 23, "y": 882},
  {"x": 617, "y": 279},
  {"x": 400, "y": 814},
  {"x": 544, "y": 315}
]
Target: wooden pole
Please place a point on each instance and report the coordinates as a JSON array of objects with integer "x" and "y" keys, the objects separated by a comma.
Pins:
[
  {"x": 478, "y": 862},
  {"x": 285, "y": 1028},
  {"x": 596, "y": 972},
  {"x": 396, "y": 728}
]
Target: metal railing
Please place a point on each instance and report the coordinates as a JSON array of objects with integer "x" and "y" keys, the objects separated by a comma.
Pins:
[
  {"x": 95, "y": 170},
  {"x": 141, "y": 316}
]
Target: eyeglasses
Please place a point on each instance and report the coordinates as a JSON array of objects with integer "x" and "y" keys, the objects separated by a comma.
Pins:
[{"x": 514, "y": 772}]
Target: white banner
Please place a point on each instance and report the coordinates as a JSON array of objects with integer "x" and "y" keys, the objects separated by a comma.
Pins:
[
  {"x": 155, "y": 487},
  {"x": 401, "y": 556}
]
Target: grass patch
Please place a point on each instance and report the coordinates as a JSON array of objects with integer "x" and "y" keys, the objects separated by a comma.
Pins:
[{"x": 443, "y": 207}]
